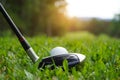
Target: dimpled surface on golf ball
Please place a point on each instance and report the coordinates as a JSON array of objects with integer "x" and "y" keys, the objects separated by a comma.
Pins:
[{"x": 58, "y": 51}]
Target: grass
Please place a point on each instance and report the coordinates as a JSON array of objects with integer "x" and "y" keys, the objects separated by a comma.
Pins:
[{"x": 102, "y": 58}]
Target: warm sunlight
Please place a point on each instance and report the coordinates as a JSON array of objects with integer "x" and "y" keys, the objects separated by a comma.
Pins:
[{"x": 105, "y": 9}]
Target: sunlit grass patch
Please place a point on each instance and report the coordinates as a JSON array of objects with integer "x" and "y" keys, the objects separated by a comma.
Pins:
[{"x": 102, "y": 58}]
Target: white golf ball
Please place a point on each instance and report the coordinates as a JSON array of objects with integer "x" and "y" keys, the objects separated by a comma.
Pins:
[{"x": 58, "y": 51}]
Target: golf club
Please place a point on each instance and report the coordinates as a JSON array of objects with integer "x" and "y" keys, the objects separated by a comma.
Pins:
[
  {"x": 73, "y": 58},
  {"x": 21, "y": 38}
]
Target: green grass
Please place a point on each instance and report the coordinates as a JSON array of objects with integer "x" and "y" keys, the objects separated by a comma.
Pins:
[{"x": 102, "y": 58}]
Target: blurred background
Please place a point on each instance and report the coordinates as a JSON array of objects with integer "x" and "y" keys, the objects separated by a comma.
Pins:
[{"x": 58, "y": 17}]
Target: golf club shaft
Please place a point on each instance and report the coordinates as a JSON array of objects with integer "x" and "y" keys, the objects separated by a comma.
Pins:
[{"x": 21, "y": 38}]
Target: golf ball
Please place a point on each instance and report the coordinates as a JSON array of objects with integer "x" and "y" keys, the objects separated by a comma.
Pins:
[{"x": 58, "y": 51}]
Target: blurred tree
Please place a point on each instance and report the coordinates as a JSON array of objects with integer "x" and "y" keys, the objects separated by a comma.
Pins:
[
  {"x": 97, "y": 26},
  {"x": 94, "y": 25},
  {"x": 114, "y": 29},
  {"x": 3, "y": 26},
  {"x": 39, "y": 16},
  {"x": 45, "y": 16},
  {"x": 14, "y": 10}
]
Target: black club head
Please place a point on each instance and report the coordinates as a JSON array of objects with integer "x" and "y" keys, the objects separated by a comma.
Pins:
[{"x": 73, "y": 59}]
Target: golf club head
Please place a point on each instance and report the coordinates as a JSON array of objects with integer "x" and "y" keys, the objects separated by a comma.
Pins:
[{"x": 73, "y": 59}]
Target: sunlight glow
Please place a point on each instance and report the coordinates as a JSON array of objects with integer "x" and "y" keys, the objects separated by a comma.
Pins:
[{"x": 93, "y": 8}]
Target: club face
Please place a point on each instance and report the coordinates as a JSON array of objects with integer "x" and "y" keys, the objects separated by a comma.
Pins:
[{"x": 73, "y": 59}]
